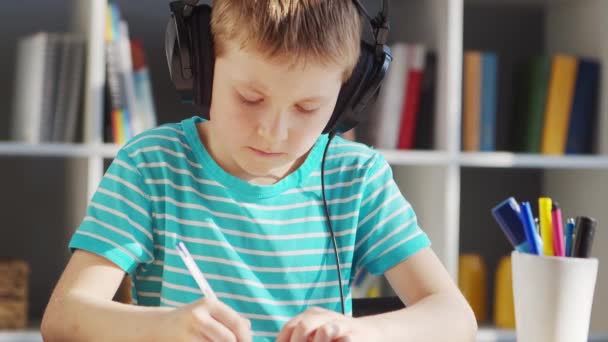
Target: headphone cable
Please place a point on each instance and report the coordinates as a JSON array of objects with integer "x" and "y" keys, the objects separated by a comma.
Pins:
[{"x": 331, "y": 229}]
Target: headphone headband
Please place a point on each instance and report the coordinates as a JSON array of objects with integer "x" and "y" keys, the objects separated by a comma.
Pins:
[{"x": 379, "y": 24}]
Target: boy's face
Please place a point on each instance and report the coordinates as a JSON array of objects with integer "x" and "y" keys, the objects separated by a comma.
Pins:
[{"x": 266, "y": 115}]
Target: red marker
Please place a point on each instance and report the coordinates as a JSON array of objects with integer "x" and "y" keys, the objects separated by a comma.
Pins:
[{"x": 558, "y": 230}]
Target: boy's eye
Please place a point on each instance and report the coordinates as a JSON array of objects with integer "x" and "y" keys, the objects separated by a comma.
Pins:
[
  {"x": 250, "y": 101},
  {"x": 306, "y": 110}
]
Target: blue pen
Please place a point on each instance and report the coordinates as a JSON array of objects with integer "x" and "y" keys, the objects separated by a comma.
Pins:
[
  {"x": 508, "y": 216},
  {"x": 532, "y": 237},
  {"x": 569, "y": 235}
]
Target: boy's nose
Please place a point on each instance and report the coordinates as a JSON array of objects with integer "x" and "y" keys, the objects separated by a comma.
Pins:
[{"x": 274, "y": 128}]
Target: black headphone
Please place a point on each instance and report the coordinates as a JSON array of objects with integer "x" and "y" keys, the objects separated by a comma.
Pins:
[{"x": 191, "y": 59}]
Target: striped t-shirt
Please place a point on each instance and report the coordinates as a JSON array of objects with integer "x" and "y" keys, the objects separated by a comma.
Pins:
[{"x": 265, "y": 249}]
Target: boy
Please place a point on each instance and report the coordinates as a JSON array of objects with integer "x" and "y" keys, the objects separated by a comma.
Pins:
[{"x": 243, "y": 192}]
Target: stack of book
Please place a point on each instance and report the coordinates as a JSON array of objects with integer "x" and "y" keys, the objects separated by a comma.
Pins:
[
  {"x": 480, "y": 75},
  {"x": 49, "y": 82},
  {"x": 129, "y": 107},
  {"x": 48, "y": 86},
  {"x": 557, "y": 105},
  {"x": 403, "y": 114}
]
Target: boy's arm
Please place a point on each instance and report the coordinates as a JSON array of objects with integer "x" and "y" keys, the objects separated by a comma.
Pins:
[
  {"x": 81, "y": 306},
  {"x": 81, "y": 309},
  {"x": 436, "y": 311}
]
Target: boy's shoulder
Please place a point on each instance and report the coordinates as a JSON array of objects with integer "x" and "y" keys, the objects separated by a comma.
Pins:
[
  {"x": 345, "y": 153},
  {"x": 170, "y": 136}
]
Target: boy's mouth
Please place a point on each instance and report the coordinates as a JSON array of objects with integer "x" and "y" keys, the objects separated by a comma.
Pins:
[{"x": 265, "y": 153}]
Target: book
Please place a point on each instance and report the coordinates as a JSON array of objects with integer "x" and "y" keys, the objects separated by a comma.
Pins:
[
  {"x": 119, "y": 84},
  {"x": 583, "y": 114},
  {"x": 471, "y": 100},
  {"x": 27, "y": 101},
  {"x": 409, "y": 110},
  {"x": 53, "y": 63},
  {"x": 69, "y": 89},
  {"x": 144, "y": 101},
  {"x": 135, "y": 124},
  {"x": 489, "y": 86},
  {"x": 559, "y": 104},
  {"x": 424, "y": 136},
  {"x": 386, "y": 115},
  {"x": 532, "y": 96}
]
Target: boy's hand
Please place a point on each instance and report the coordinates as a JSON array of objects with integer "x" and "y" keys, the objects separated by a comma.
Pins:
[
  {"x": 321, "y": 325},
  {"x": 205, "y": 320}
]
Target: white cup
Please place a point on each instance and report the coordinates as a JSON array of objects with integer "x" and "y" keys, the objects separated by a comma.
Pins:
[{"x": 552, "y": 297}]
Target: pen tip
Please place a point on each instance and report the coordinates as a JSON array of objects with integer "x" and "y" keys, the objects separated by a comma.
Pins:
[{"x": 555, "y": 205}]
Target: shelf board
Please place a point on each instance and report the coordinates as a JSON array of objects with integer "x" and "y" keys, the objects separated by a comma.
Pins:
[
  {"x": 20, "y": 336},
  {"x": 519, "y": 160},
  {"x": 522, "y": 3},
  {"x": 30, "y": 334},
  {"x": 58, "y": 150},
  {"x": 417, "y": 158},
  {"x": 492, "y": 334}
]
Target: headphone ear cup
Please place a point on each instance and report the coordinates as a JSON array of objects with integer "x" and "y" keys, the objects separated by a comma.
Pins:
[
  {"x": 177, "y": 53},
  {"x": 203, "y": 57},
  {"x": 359, "y": 90},
  {"x": 170, "y": 46}
]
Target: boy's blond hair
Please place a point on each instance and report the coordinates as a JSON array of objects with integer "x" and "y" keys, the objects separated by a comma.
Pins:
[{"x": 292, "y": 31}]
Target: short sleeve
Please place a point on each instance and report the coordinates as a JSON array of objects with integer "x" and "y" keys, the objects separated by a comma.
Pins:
[
  {"x": 387, "y": 231},
  {"x": 118, "y": 221}
]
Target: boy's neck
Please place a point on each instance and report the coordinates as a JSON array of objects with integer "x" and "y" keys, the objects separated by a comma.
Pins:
[{"x": 205, "y": 136}]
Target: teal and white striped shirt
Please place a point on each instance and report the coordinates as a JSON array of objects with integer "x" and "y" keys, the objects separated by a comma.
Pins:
[{"x": 265, "y": 249}]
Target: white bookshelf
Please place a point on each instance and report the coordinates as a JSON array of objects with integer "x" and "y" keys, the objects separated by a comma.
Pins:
[
  {"x": 58, "y": 150},
  {"x": 517, "y": 160},
  {"x": 21, "y": 336},
  {"x": 489, "y": 334},
  {"x": 427, "y": 158},
  {"x": 431, "y": 180}
]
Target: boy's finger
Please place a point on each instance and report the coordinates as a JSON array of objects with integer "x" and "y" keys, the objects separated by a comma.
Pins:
[
  {"x": 287, "y": 330},
  {"x": 285, "y": 334},
  {"x": 326, "y": 333},
  {"x": 212, "y": 330},
  {"x": 237, "y": 324},
  {"x": 336, "y": 330},
  {"x": 343, "y": 339},
  {"x": 306, "y": 328}
]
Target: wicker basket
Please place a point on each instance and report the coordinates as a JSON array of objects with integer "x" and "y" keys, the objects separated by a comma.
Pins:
[{"x": 14, "y": 278}]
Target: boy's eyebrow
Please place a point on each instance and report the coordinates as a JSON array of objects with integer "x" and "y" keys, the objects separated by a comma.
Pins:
[
  {"x": 319, "y": 98},
  {"x": 255, "y": 85}
]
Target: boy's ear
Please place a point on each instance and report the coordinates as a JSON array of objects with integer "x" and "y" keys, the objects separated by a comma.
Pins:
[
  {"x": 190, "y": 55},
  {"x": 177, "y": 52}
]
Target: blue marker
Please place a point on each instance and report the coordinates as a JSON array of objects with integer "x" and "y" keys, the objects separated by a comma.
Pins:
[
  {"x": 508, "y": 216},
  {"x": 532, "y": 237},
  {"x": 569, "y": 236}
]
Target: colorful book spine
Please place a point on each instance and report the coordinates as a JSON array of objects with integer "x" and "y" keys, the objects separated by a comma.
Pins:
[
  {"x": 584, "y": 108},
  {"x": 489, "y": 87},
  {"x": 539, "y": 69},
  {"x": 416, "y": 57},
  {"x": 559, "y": 104},
  {"x": 471, "y": 101}
]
